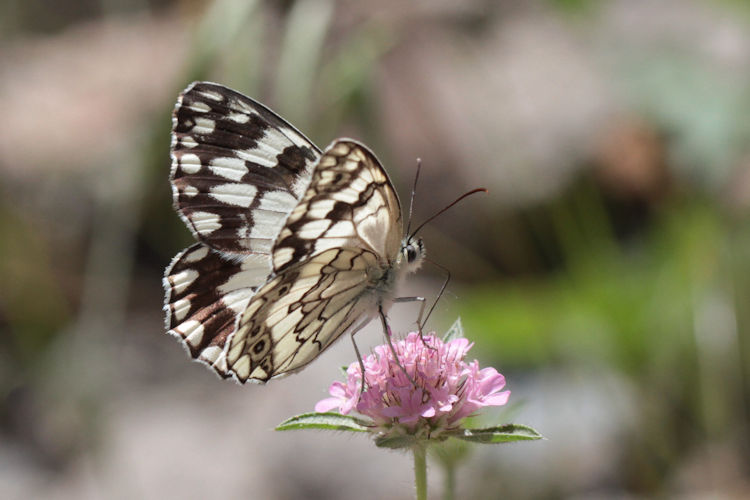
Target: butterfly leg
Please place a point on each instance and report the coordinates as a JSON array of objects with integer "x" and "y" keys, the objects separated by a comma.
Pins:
[
  {"x": 359, "y": 356},
  {"x": 420, "y": 323},
  {"x": 387, "y": 332}
]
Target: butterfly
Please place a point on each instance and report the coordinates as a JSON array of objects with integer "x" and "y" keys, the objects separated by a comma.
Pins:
[{"x": 296, "y": 245}]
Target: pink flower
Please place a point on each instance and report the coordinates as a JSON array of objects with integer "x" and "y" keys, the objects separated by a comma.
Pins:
[{"x": 446, "y": 389}]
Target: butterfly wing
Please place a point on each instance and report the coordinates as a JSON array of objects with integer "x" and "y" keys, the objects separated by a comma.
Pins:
[
  {"x": 205, "y": 294},
  {"x": 300, "y": 312},
  {"x": 350, "y": 203},
  {"x": 238, "y": 170},
  {"x": 332, "y": 261}
]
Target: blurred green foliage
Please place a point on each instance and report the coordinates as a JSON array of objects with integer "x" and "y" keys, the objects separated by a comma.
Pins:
[{"x": 32, "y": 302}]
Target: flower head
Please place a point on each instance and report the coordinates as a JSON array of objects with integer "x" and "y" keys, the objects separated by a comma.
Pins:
[{"x": 445, "y": 388}]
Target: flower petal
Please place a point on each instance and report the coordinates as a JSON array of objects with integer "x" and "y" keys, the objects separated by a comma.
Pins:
[
  {"x": 327, "y": 404},
  {"x": 440, "y": 390}
]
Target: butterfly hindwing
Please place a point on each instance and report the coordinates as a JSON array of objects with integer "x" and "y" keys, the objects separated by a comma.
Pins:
[
  {"x": 205, "y": 294},
  {"x": 238, "y": 169},
  {"x": 300, "y": 312}
]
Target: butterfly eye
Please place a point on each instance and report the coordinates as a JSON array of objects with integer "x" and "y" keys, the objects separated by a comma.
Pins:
[{"x": 411, "y": 253}]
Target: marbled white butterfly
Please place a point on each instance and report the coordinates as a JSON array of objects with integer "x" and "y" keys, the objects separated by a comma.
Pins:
[{"x": 297, "y": 246}]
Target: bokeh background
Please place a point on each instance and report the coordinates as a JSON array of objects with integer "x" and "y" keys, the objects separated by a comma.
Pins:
[{"x": 606, "y": 274}]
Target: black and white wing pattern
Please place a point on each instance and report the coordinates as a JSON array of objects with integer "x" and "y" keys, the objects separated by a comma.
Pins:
[
  {"x": 238, "y": 170},
  {"x": 335, "y": 261},
  {"x": 295, "y": 247}
]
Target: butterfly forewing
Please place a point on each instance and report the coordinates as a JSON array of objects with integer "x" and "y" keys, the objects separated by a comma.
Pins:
[
  {"x": 330, "y": 261},
  {"x": 350, "y": 203},
  {"x": 238, "y": 169}
]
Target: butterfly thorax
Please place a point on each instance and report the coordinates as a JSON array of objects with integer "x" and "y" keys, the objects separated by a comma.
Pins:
[{"x": 385, "y": 280}]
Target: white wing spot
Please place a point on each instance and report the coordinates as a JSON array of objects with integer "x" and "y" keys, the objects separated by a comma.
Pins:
[
  {"x": 188, "y": 142},
  {"x": 239, "y": 117},
  {"x": 190, "y": 163},
  {"x": 282, "y": 255},
  {"x": 210, "y": 94},
  {"x": 200, "y": 107},
  {"x": 348, "y": 196},
  {"x": 196, "y": 254},
  {"x": 320, "y": 208},
  {"x": 275, "y": 139},
  {"x": 259, "y": 373},
  {"x": 359, "y": 184},
  {"x": 314, "y": 229},
  {"x": 242, "y": 106},
  {"x": 257, "y": 155},
  {"x": 182, "y": 280},
  {"x": 241, "y": 195},
  {"x": 190, "y": 191},
  {"x": 204, "y": 126},
  {"x": 180, "y": 308},
  {"x": 340, "y": 149},
  {"x": 211, "y": 354},
  {"x": 192, "y": 331},
  {"x": 277, "y": 201},
  {"x": 229, "y": 168},
  {"x": 327, "y": 161},
  {"x": 205, "y": 222}
]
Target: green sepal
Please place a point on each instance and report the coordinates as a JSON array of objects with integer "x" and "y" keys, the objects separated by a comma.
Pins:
[
  {"x": 456, "y": 331},
  {"x": 395, "y": 442},
  {"x": 325, "y": 421},
  {"x": 500, "y": 434}
]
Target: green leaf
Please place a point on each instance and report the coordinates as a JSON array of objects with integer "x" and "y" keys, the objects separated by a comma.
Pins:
[
  {"x": 324, "y": 421},
  {"x": 456, "y": 331},
  {"x": 500, "y": 434}
]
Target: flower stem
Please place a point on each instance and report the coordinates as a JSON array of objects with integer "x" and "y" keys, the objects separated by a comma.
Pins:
[
  {"x": 449, "y": 482},
  {"x": 420, "y": 471}
]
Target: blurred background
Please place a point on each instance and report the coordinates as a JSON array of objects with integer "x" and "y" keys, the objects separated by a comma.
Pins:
[{"x": 606, "y": 274}]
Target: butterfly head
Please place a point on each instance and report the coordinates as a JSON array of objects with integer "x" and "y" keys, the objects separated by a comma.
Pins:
[{"x": 412, "y": 253}]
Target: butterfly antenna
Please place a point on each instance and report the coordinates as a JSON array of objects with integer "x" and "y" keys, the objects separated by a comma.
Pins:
[
  {"x": 413, "y": 193},
  {"x": 465, "y": 195},
  {"x": 440, "y": 293}
]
